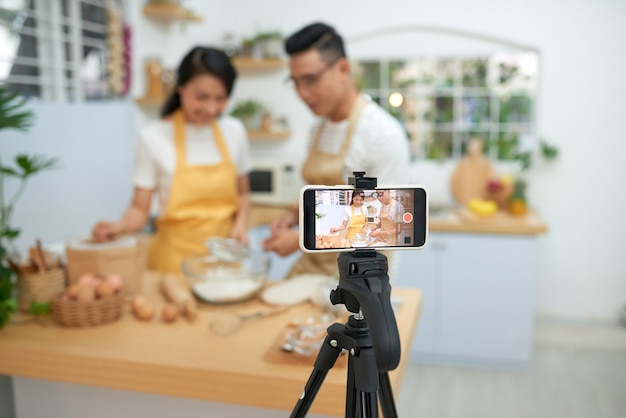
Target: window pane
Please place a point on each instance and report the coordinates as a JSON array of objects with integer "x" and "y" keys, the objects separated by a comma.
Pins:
[
  {"x": 515, "y": 109},
  {"x": 507, "y": 145},
  {"x": 476, "y": 111},
  {"x": 18, "y": 48},
  {"x": 440, "y": 146},
  {"x": 444, "y": 109},
  {"x": 475, "y": 73},
  {"x": 367, "y": 75},
  {"x": 402, "y": 74},
  {"x": 445, "y": 74}
]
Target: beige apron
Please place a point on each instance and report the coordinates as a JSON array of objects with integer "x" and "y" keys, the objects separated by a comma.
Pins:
[
  {"x": 388, "y": 224},
  {"x": 202, "y": 203},
  {"x": 324, "y": 168}
]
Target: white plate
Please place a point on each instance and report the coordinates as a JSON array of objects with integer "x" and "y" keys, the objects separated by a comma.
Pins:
[{"x": 296, "y": 290}]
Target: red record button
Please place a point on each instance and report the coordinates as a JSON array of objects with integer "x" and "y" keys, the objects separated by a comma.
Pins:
[{"x": 407, "y": 218}]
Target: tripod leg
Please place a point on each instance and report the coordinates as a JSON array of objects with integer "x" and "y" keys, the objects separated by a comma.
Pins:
[
  {"x": 387, "y": 404},
  {"x": 362, "y": 385},
  {"x": 323, "y": 363}
]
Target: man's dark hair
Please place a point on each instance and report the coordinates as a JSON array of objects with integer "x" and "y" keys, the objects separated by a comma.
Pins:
[{"x": 318, "y": 36}]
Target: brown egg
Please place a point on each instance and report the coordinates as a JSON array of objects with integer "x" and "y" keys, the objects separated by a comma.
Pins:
[
  {"x": 86, "y": 294},
  {"x": 104, "y": 289},
  {"x": 170, "y": 312},
  {"x": 115, "y": 280},
  {"x": 73, "y": 290},
  {"x": 144, "y": 312},
  {"x": 142, "y": 309},
  {"x": 86, "y": 279},
  {"x": 138, "y": 301}
]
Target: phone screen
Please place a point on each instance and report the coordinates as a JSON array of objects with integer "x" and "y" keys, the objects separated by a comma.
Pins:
[{"x": 343, "y": 218}]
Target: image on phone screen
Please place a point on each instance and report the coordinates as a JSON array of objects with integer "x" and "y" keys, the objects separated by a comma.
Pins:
[{"x": 386, "y": 218}]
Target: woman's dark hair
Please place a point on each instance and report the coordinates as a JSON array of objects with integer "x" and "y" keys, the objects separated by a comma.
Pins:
[
  {"x": 317, "y": 36},
  {"x": 356, "y": 193},
  {"x": 201, "y": 60}
]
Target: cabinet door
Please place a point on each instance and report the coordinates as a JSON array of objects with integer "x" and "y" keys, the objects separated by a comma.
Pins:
[
  {"x": 417, "y": 269},
  {"x": 486, "y": 309}
]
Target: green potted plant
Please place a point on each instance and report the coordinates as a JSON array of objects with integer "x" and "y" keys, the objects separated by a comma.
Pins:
[
  {"x": 249, "y": 112},
  {"x": 517, "y": 201},
  {"x": 270, "y": 43},
  {"x": 14, "y": 115}
]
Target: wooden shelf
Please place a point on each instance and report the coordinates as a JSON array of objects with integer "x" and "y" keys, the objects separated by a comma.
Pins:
[
  {"x": 169, "y": 13},
  {"x": 150, "y": 101},
  {"x": 257, "y": 135},
  {"x": 251, "y": 64}
]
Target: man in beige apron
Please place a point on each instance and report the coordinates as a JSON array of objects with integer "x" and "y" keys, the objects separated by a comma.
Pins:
[
  {"x": 324, "y": 168},
  {"x": 387, "y": 231},
  {"x": 355, "y": 134}
]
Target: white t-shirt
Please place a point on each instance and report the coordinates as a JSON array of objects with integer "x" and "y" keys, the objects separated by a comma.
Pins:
[
  {"x": 347, "y": 215},
  {"x": 379, "y": 145},
  {"x": 394, "y": 210},
  {"x": 155, "y": 153}
]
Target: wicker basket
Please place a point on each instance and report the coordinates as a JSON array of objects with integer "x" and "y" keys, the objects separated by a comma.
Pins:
[
  {"x": 73, "y": 313},
  {"x": 38, "y": 286}
]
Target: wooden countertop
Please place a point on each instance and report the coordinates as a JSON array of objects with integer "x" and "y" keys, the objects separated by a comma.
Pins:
[
  {"x": 449, "y": 221},
  {"x": 185, "y": 359}
]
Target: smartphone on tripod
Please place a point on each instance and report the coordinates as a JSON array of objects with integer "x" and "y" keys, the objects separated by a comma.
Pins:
[{"x": 345, "y": 218}]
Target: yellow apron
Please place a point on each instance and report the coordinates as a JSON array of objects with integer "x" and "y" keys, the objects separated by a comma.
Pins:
[
  {"x": 202, "y": 203},
  {"x": 357, "y": 224},
  {"x": 323, "y": 168}
]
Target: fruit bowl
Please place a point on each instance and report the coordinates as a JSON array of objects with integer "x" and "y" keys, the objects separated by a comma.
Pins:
[{"x": 216, "y": 279}]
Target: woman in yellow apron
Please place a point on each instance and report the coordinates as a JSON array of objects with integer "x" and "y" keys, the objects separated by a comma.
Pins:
[
  {"x": 354, "y": 218},
  {"x": 203, "y": 192}
]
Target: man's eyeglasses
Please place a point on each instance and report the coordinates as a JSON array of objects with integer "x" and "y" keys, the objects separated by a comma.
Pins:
[{"x": 309, "y": 80}]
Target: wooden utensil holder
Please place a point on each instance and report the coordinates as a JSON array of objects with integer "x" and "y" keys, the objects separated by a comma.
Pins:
[{"x": 36, "y": 286}]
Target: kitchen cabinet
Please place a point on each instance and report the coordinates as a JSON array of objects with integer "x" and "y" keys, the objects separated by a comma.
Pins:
[{"x": 478, "y": 297}]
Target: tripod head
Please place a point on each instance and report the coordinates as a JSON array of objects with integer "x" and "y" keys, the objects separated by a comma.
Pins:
[{"x": 364, "y": 287}]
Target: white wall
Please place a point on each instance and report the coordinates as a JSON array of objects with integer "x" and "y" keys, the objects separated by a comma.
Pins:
[
  {"x": 94, "y": 146},
  {"x": 581, "y": 273}
]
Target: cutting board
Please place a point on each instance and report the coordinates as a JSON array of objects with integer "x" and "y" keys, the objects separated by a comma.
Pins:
[{"x": 470, "y": 177}]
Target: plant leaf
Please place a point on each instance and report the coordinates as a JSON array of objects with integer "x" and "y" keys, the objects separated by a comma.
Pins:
[
  {"x": 13, "y": 114},
  {"x": 34, "y": 164}
]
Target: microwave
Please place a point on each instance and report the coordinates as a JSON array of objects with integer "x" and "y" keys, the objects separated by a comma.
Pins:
[{"x": 275, "y": 182}]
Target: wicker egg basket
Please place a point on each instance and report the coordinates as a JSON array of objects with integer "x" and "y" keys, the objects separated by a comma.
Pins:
[{"x": 74, "y": 313}]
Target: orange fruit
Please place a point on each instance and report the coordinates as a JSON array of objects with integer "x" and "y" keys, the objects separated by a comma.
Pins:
[{"x": 517, "y": 207}]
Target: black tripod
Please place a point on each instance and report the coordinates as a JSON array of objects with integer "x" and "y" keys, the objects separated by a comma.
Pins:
[{"x": 373, "y": 347}]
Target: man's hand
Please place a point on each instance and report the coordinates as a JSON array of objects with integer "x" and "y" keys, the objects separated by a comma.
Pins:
[
  {"x": 282, "y": 241},
  {"x": 286, "y": 220}
]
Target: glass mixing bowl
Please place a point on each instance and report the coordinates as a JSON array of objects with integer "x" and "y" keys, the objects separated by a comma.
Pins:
[{"x": 215, "y": 279}]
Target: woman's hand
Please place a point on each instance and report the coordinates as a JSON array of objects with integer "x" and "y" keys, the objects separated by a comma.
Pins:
[
  {"x": 239, "y": 233},
  {"x": 333, "y": 230},
  {"x": 105, "y": 231}
]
